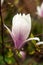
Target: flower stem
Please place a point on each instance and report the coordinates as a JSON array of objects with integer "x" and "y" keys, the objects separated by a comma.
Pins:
[{"x": 16, "y": 58}]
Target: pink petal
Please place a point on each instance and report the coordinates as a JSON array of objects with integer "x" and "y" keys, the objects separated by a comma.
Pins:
[{"x": 23, "y": 54}]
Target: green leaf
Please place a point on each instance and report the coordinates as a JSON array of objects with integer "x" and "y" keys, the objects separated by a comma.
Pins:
[
  {"x": 1, "y": 60},
  {"x": 33, "y": 41},
  {"x": 31, "y": 49},
  {"x": 9, "y": 60}
]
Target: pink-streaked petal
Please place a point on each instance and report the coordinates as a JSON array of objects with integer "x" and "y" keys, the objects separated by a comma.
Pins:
[
  {"x": 23, "y": 55},
  {"x": 41, "y": 13},
  {"x": 9, "y": 32},
  {"x": 35, "y": 38},
  {"x": 21, "y": 27},
  {"x": 39, "y": 43},
  {"x": 18, "y": 41}
]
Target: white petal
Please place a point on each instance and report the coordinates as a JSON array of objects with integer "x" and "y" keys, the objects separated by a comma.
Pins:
[
  {"x": 42, "y": 5},
  {"x": 38, "y": 10},
  {"x": 27, "y": 18},
  {"x": 9, "y": 32},
  {"x": 21, "y": 25},
  {"x": 7, "y": 28},
  {"x": 23, "y": 14},
  {"x": 2, "y": 2},
  {"x": 39, "y": 43},
  {"x": 35, "y": 38}
]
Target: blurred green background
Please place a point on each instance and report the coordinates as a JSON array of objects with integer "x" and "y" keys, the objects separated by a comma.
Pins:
[{"x": 34, "y": 54}]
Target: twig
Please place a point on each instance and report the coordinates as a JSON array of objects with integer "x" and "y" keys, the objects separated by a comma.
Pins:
[
  {"x": 2, "y": 40},
  {"x": 39, "y": 34}
]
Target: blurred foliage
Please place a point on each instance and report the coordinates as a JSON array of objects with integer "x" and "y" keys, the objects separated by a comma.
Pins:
[
  {"x": 1, "y": 60},
  {"x": 34, "y": 53}
]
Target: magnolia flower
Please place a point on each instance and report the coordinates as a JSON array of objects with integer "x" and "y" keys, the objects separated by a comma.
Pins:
[
  {"x": 21, "y": 27},
  {"x": 23, "y": 54},
  {"x": 40, "y": 10}
]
